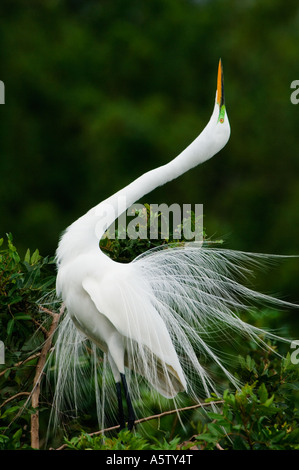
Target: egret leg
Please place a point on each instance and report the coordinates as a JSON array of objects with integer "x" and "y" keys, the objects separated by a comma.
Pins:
[
  {"x": 131, "y": 414},
  {"x": 121, "y": 417},
  {"x": 116, "y": 359}
]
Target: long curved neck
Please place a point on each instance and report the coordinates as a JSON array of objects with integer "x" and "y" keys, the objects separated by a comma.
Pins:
[
  {"x": 84, "y": 234},
  {"x": 165, "y": 173},
  {"x": 200, "y": 150}
]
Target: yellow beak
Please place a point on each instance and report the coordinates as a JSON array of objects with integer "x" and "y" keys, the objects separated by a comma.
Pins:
[{"x": 220, "y": 85}]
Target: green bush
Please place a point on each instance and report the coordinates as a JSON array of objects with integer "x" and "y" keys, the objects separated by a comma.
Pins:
[{"x": 23, "y": 285}]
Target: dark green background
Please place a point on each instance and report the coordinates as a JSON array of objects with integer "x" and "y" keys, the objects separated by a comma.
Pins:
[{"x": 98, "y": 92}]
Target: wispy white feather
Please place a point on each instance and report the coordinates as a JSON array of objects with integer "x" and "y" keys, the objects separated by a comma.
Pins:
[
  {"x": 198, "y": 294},
  {"x": 156, "y": 320}
]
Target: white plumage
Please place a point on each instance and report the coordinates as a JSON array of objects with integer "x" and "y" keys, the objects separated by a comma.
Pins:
[{"x": 150, "y": 317}]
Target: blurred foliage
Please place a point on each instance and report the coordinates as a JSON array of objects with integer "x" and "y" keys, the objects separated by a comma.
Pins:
[{"x": 98, "y": 92}]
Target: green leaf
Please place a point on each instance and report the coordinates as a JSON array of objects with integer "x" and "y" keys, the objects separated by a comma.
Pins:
[
  {"x": 207, "y": 437},
  {"x": 35, "y": 257},
  {"x": 27, "y": 256},
  {"x": 9, "y": 411},
  {"x": 16, "y": 299},
  {"x": 278, "y": 437},
  {"x": 263, "y": 393},
  {"x": 10, "y": 326},
  {"x": 213, "y": 415},
  {"x": 17, "y": 435},
  {"x": 250, "y": 363},
  {"x": 22, "y": 316},
  {"x": 239, "y": 444},
  {"x": 269, "y": 401},
  {"x": 215, "y": 429}
]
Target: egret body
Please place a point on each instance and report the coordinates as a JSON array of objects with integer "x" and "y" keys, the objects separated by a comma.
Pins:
[{"x": 147, "y": 315}]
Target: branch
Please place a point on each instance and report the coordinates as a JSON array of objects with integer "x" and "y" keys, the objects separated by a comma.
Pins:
[
  {"x": 39, "y": 326},
  {"x": 46, "y": 310},
  {"x": 148, "y": 418},
  {"x": 21, "y": 363},
  {"x": 33, "y": 356},
  {"x": 38, "y": 377},
  {"x": 13, "y": 397}
]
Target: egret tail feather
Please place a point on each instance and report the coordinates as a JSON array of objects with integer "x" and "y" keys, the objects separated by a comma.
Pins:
[{"x": 197, "y": 293}]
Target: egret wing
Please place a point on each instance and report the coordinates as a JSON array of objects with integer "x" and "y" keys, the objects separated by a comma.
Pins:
[{"x": 126, "y": 301}]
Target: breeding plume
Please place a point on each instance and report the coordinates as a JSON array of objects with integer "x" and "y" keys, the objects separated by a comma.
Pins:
[{"x": 149, "y": 321}]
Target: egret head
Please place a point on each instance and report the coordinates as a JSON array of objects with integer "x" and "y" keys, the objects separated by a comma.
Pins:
[
  {"x": 219, "y": 123},
  {"x": 220, "y": 94}
]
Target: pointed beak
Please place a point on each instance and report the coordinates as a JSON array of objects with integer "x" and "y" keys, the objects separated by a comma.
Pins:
[{"x": 220, "y": 85}]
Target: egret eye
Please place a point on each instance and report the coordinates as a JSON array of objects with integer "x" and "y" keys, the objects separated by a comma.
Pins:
[{"x": 221, "y": 114}]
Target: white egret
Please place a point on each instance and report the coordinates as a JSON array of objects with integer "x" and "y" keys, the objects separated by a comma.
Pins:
[{"x": 151, "y": 317}]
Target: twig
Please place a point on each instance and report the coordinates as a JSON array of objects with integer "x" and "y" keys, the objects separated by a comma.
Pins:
[
  {"x": 46, "y": 310},
  {"x": 39, "y": 326},
  {"x": 38, "y": 378},
  {"x": 12, "y": 398},
  {"x": 148, "y": 418},
  {"x": 21, "y": 363}
]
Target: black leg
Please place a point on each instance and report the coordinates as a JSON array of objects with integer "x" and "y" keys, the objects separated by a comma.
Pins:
[
  {"x": 121, "y": 417},
  {"x": 131, "y": 417}
]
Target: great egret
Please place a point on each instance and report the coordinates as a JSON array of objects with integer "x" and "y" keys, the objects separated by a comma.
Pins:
[{"x": 151, "y": 317}]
